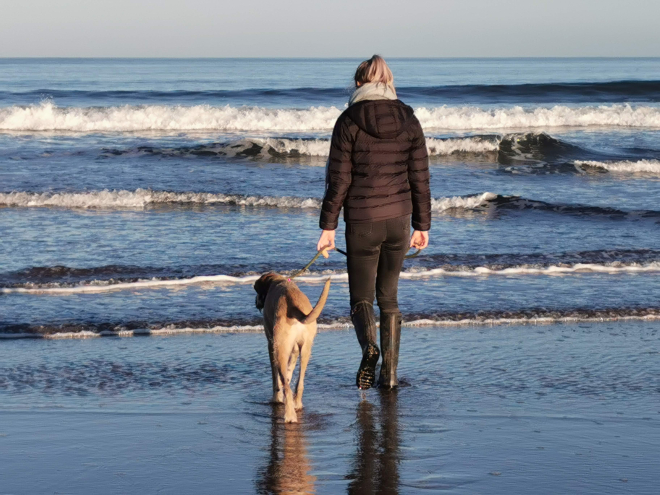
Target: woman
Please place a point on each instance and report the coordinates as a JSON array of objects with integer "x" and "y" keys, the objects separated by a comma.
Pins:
[{"x": 378, "y": 172}]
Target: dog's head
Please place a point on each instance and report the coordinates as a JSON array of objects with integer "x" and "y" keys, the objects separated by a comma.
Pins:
[{"x": 262, "y": 286}]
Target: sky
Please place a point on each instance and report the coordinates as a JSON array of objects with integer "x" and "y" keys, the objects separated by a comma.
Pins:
[{"x": 331, "y": 28}]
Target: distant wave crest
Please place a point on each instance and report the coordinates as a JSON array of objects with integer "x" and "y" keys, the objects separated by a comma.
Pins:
[{"x": 586, "y": 91}]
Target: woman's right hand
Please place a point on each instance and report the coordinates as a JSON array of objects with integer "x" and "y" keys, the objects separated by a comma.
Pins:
[
  {"x": 326, "y": 241},
  {"x": 419, "y": 239}
]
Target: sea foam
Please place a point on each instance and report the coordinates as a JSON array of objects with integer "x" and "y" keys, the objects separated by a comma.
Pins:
[
  {"x": 557, "y": 116},
  {"x": 288, "y": 147},
  {"x": 530, "y": 317},
  {"x": 130, "y": 118},
  {"x": 641, "y": 166},
  {"x": 434, "y": 146},
  {"x": 142, "y": 198},
  {"x": 337, "y": 275}
]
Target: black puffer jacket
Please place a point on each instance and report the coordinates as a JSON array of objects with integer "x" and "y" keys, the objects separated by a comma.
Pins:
[{"x": 378, "y": 166}]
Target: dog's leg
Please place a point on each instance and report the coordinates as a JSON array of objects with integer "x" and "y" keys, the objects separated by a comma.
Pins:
[
  {"x": 283, "y": 354},
  {"x": 278, "y": 397},
  {"x": 305, "y": 354},
  {"x": 293, "y": 360}
]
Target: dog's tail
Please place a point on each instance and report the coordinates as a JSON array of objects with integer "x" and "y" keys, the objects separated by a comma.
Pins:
[{"x": 316, "y": 312}]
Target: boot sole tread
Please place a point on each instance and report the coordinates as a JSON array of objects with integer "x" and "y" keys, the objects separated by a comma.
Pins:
[{"x": 366, "y": 375}]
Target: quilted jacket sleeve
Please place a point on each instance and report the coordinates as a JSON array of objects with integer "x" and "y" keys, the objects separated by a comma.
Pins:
[
  {"x": 419, "y": 178},
  {"x": 338, "y": 173}
]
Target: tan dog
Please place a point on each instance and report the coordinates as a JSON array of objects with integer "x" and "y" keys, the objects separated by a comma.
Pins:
[{"x": 290, "y": 325}]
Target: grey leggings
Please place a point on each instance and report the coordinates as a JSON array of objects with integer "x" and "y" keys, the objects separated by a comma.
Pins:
[{"x": 375, "y": 257}]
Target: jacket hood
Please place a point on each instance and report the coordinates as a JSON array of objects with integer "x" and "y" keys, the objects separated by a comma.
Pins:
[{"x": 383, "y": 119}]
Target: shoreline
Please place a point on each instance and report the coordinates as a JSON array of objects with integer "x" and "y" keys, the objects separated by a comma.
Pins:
[{"x": 255, "y": 329}]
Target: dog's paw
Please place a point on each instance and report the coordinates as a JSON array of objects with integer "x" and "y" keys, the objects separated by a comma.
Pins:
[
  {"x": 277, "y": 398},
  {"x": 290, "y": 418},
  {"x": 298, "y": 405}
]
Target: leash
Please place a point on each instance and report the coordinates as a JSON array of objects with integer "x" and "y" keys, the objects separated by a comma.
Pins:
[{"x": 324, "y": 253}]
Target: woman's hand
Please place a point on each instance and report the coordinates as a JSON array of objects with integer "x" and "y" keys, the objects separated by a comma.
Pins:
[
  {"x": 419, "y": 239},
  {"x": 326, "y": 241}
]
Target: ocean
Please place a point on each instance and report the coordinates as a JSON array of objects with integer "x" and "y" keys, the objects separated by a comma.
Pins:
[
  {"x": 119, "y": 176},
  {"x": 145, "y": 196}
]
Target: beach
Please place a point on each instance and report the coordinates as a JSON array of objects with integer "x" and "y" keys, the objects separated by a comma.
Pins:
[{"x": 504, "y": 409}]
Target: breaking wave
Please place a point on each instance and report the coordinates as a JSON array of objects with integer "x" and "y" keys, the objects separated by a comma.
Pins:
[
  {"x": 131, "y": 118},
  {"x": 268, "y": 148},
  {"x": 530, "y": 148},
  {"x": 451, "y": 146},
  {"x": 142, "y": 198},
  {"x": 66, "y": 280},
  {"x": 625, "y": 166},
  {"x": 462, "y": 202},
  {"x": 49, "y": 117},
  {"x": 532, "y": 316},
  {"x": 146, "y": 198},
  {"x": 538, "y": 147},
  {"x": 470, "y": 118},
  {"x": 532, "y": 152}
]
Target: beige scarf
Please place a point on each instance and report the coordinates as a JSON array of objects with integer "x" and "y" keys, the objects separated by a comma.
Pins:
[{"x": 372, "y": 91}]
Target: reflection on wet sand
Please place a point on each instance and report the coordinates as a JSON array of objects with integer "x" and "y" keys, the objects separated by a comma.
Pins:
[
  {"x": 375, "y": 468},
  {"x": 288, "y": 469}
]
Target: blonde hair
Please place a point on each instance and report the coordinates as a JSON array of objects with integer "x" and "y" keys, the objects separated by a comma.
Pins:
[{"x": 374, "y": 70}]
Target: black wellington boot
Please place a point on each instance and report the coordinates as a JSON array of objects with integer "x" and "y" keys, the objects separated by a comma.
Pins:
[
  {"x": 390, "y": 338},
  {"x": 364, "y": 322}
]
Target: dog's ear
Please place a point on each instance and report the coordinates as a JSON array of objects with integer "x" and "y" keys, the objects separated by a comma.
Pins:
[
  {"x": 266, "y": 280},
  {"x": 261, "y": 287},
  {"x": 262, "y": 284}
]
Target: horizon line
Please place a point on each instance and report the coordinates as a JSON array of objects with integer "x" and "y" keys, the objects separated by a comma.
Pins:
[{"x": 543, "y": 57}]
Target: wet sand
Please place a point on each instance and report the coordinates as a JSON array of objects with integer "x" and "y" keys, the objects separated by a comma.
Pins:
[{"x": 511, "y": 409}]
